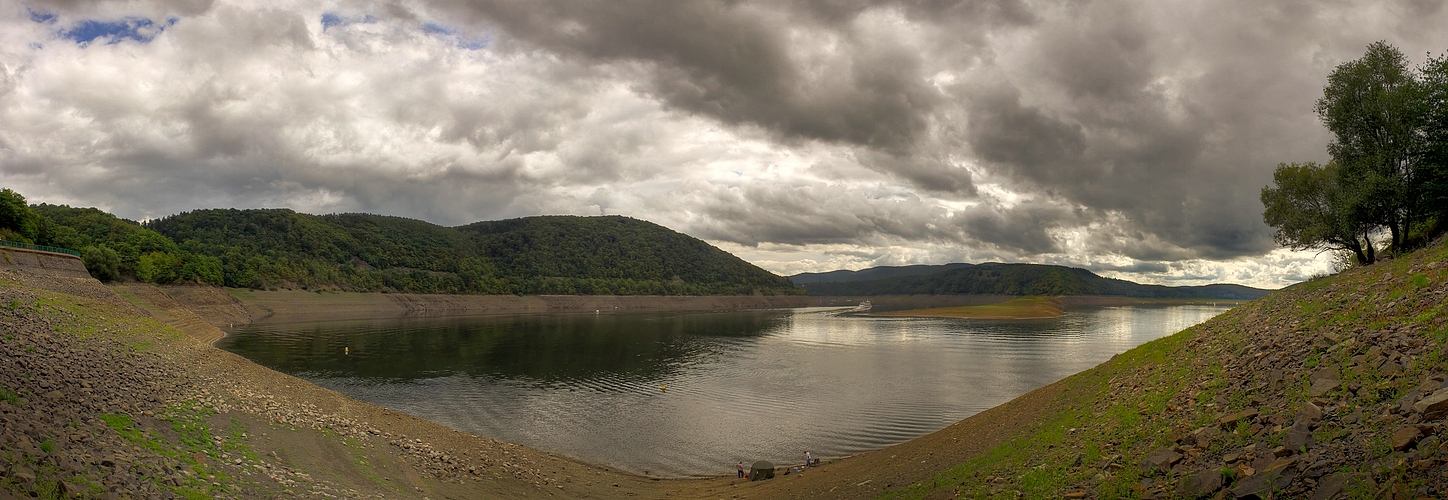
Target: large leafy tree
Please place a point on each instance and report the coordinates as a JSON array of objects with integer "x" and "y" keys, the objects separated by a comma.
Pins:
[
  {"x": 1311, "y": 208},
  {"x": 1373, "y": 106},
  {"x": 17, "y": 221},
  {"x": 1433, "y": 171}
]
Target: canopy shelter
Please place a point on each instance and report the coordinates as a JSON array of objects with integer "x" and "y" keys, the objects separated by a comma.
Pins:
[{"x": 761, "y": 470}]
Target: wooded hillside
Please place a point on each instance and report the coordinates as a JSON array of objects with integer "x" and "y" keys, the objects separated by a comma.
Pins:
[
  {"x": 1019, "y": 279},
  {"x": 280, "y": 248}
]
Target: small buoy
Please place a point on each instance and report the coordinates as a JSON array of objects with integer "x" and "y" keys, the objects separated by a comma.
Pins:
[
  {"x": 663, "y": 388},
  {"x": 346, "y": 350}
]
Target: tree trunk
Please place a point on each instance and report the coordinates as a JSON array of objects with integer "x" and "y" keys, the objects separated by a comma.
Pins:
[
  {"x": 1357, "y": 248},
  {"x": 1372, "y": 254}
]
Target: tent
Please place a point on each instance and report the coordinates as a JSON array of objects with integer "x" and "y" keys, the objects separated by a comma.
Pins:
[{"x": 761, "y": 470}]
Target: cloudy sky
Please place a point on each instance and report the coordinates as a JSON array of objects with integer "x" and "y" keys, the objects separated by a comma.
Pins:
[{"x": 1129, "y": 137}]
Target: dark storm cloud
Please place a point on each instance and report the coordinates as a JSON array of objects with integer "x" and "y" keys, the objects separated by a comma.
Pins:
[
  {"x": 853, "y": 131},
  {"x": 1135, "y": 268},
  {"x": 1022, "y": 229},
  {"x": 734, "y": 60}
]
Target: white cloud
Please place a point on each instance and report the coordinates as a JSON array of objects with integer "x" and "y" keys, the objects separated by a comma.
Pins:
[{"x": 1118, "y": 135}]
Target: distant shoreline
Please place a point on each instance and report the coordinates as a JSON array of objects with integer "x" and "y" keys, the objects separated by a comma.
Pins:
[
  {"x": 226, "y": 307},
  {"x": 1035, "y": 307}
]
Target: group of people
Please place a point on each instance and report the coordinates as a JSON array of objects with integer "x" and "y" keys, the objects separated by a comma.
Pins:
[{"x": 808, "y": 461}]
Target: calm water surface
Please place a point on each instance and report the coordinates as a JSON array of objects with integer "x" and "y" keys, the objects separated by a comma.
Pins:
[{"x": 740, "y": 385}]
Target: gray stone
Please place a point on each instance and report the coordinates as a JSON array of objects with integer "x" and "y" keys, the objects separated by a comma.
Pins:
[
  {"x": 1201, "y": 484},
  {"x": 1230, "y": 421},
  {"x": 1404, "y": 438},
  {"x": 1323, "y": 386},
  {"x": 1298, "y": 437},
  {"x": 1428, "y": 446},
  {"x": 1160, "y": 460},
  {"x": 1261, "y": 486},
  {"x": 1433, "y": 407},
  {"x": 1310, "y": 413},
  {"x": 1330, "y": 487}
]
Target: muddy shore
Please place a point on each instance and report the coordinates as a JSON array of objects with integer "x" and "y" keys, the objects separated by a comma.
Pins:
[{"x": 219, "y": 305}]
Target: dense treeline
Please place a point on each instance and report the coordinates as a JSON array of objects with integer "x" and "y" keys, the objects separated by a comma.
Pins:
[
  {"x": 1386, "y": 187},
  {"x": 1021, "y": 279},
  {"x": 269, "y": 249},
  {"x": 110, "y": 246}
]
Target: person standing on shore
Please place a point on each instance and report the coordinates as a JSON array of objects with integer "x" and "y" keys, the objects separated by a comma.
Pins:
[
  {"x": 807, "y": 459},
  {"x": 740, "y": 466}
]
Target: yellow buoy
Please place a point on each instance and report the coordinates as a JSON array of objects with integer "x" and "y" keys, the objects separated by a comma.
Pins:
[
  {"x": 663, "y": 387},
  {"x": 346, "y": 351}
]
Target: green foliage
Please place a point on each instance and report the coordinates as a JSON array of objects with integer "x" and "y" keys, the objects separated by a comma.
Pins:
[
  {"x": 1433, "y": 171},
  {"x": 534, "y": 255},
  {"x": 17, "y": 221},
  {"x": 145, "y": 254},
  {"x": 1311, "y": 208},
  {"x": 1389, "y": 169},
  {"x": 1021, "y": 279},
  {"x": 103, "y": 263},
  {"x": 266, "y": 249},
  {"x": 11, "y": 397}
]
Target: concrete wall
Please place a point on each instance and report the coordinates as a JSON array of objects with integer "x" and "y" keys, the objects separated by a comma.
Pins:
[{"x": 36, "y": 261}]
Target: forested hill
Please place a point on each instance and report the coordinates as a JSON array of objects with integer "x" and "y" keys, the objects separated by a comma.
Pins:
[
  {"x": 1011, "y": 279},
  {"x": 279, "y": 248},
  {"x": 532, "y": 255},
  {"x": 873, "y": 273}
]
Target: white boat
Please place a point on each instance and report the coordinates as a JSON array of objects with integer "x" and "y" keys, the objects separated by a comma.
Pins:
[{"x": 864, "y": 306}]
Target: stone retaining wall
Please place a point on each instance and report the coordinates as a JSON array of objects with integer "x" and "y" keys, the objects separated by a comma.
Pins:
[{"x": 42, "y": 262}]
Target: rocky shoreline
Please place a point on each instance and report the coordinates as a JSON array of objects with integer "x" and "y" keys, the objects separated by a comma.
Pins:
[{"x": 100, "y": 400}]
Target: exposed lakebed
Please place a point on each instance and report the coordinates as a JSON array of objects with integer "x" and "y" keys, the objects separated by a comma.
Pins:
[{"x": 744, "y": 385}]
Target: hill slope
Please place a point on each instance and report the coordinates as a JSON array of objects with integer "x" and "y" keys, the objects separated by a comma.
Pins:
[
  {"x": 532, "y": 255},
  {"x": 1009, "y": 279},
  {"x": 872, "y": 273},
  {"x": 1333, "y": 388}
]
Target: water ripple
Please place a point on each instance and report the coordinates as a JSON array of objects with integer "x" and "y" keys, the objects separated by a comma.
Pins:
[{"x": 675, "y": 394}]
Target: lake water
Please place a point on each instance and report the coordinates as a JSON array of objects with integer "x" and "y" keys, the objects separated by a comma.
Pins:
[{"x": 749, "y": 385}]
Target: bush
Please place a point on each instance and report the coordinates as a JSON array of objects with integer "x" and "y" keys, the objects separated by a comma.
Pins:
[{"x": 103, "y": 263}]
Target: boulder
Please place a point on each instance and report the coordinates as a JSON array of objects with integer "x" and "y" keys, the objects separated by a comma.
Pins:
[
  {"x": 1433, "y": 407},
  {"x": 1160, "y": 460},
  {"x": 1262, "y": 485},
  {"x": 1201, "y": 484},
  {"x": 1330, "y": 487},
  {"x": 1310, "y": 413},
  {"x": 1230, "y": 421},
  {"x": 1323, "y": 386},
  {"x": 1298, "y": 437},
  {"x": 1405, "y": 438}
]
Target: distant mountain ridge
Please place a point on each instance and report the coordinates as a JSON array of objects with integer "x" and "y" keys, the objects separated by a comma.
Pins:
[
  {"x": 1001, "y": 279},
  {"x": 872, "y": 273}
]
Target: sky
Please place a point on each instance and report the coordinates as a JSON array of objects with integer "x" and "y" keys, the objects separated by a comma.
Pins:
[{"x": 1128, "y": 137}]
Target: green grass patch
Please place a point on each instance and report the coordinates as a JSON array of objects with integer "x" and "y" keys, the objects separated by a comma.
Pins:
[
  {"x": 194, "y": 440},
  {"x": 10, "y": 396}
]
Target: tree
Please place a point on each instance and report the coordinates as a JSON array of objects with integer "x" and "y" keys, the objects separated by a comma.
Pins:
[
  {"x": 1311, "y": 208},
  {"x": 1373, "y": 106},
  {"x": 102, "y": 262},
  {"x": 1433, "y": 170},
  {"x": 17, "y": 221}
]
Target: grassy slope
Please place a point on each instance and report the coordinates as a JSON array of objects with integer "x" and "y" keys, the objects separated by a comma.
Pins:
[{"x": 1108, "y": 419}]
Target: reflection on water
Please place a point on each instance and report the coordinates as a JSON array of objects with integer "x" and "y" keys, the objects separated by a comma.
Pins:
[{"x": 740, "y": 385}]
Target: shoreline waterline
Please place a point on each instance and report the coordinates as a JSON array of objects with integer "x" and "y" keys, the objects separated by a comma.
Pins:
[{"x": 804, "y": 354}]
